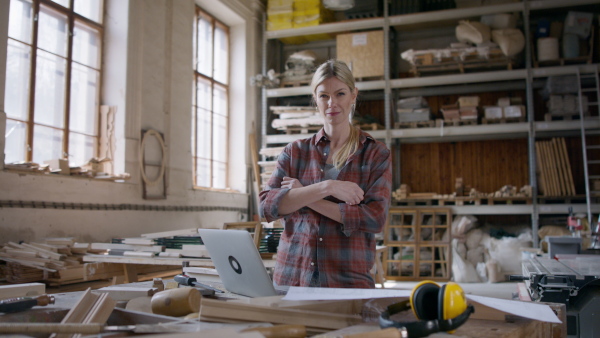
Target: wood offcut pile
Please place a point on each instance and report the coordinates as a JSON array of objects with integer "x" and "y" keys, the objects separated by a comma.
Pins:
[
  {"x": 508, "y": 194},
  {"x": 59, "y": 261}
]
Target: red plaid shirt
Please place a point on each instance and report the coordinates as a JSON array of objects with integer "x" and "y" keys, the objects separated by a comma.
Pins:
[{"x": 343, "y": 252}]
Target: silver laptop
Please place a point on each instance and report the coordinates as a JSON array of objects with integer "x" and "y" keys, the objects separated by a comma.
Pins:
[{"x": 238, "y": 262}]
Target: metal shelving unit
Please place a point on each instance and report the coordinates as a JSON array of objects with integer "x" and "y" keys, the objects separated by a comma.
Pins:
[{"x": 518, "y": 78}]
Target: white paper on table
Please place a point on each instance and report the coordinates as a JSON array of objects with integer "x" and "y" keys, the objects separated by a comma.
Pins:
[
  {"x": 305, "y": 293},
  {"x": 529, "y": 310}
]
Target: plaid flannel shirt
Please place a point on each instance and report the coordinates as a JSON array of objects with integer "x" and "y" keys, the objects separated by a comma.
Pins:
[{"x": 344, "y": 252}]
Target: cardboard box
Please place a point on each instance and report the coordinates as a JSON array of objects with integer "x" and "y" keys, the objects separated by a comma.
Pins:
[
  {"x": 492, "y": 112},
  {"x": 450, "y": 112},
  {"x": 468, "y": 113},
  {"x": 363, "y": 52},
  {"x": 468, "y": 101},
  {"x": 514, "y": 111},
  {"x": 413, "y": 115}
]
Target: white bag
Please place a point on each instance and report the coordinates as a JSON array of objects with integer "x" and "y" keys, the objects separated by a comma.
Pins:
[
  {"x": 510, "y": 40},
  {"x": 472, "y": 31}
]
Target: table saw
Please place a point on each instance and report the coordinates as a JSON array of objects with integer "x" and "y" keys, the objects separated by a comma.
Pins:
[{"x": 573, "y": 280}]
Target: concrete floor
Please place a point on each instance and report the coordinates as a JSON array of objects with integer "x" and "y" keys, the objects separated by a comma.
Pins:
[{"x": 497, "y": 290}]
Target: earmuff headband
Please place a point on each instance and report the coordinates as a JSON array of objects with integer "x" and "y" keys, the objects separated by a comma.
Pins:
[{"x": 424, "y": 327}]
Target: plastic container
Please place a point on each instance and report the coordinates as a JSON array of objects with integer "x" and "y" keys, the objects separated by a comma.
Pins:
[
  {"x": 570, "y": 46},
  {"x": 547, "y": 49}
]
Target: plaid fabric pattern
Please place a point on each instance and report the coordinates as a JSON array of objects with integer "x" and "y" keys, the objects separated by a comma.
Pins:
[{"x": 343, "y": 252}]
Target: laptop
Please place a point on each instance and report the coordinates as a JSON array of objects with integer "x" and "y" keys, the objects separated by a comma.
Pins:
[{"x": 236, "y": 258}]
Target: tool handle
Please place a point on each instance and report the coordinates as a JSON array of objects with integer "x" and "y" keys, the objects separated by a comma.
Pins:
[
  {"x": 50, "y": 328},
  {"x": 207, "y": 287},
  {"x": 280, "y": 331},
  {"x": 24, "y": 303}
]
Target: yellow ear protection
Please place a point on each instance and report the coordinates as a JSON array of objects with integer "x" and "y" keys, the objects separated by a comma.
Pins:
[{"x": 438, "y": 308}]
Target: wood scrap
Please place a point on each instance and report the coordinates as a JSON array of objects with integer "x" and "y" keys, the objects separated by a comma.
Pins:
[
  {"x": 22, "y": 290},
  {"x": 126, "y": 292},
  {"x": 223, "y": 311},
  {"x": 183, "y": 232}
]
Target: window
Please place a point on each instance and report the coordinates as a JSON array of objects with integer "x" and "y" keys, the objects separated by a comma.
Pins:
[
  {"x": 210, "y": 111},
  {"x": 53, "y": 80}
]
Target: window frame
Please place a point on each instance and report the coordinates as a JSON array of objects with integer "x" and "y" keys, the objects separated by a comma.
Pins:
[
  {"x": 72, "y": 19},
  {"x": 198, "y": 76}
]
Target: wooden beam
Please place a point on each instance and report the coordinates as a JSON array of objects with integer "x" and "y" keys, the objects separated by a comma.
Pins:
[
  {"x": 22, "y": 290},
  {"x": 222, "y": 311}
]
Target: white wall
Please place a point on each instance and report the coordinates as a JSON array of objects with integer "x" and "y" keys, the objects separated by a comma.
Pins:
[{"x": 148, "y": 77}]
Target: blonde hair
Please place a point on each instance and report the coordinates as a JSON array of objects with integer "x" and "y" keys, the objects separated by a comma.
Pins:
[{"x": 339, "y": 69}]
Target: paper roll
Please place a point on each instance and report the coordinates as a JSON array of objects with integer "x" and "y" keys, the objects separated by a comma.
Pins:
[{"x": 547, "y": 49}]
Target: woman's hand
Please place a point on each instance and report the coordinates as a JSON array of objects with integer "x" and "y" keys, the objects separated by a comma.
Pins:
[
  {"x": 348, "y": 192},
  {"x": 290, "y": 183}
]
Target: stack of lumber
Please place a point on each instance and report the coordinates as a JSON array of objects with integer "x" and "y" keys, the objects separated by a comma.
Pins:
[
  {"x": 300, "y": 117},
  {"x": 55, "y": 263},
  {"x": 59, "y": 261},
  {"x": 554, "y": 170},
  {"x": 268, "y": 166},
  {"x": 402, "y": 192}
]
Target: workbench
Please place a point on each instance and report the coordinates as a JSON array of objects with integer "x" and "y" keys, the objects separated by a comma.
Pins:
[
  {"x": 573, "y": 280},
  {"x": 483, "y": 323},
  {"x": 129, "y": 263}
]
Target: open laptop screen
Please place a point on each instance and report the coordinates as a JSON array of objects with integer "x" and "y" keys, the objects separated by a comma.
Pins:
[{"x": 238, "y": 262}]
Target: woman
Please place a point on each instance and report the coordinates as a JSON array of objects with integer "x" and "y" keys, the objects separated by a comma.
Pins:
[{"x": 333, "y": 191}]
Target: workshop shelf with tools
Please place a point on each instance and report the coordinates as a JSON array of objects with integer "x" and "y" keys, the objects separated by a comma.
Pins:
[
  {"x": 483, "y": 160},
  {"x": 412, "y": 143}
]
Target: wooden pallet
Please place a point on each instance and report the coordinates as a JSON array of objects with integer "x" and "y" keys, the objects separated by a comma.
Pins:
[
  {"x": 566, "y": 117},
  {"x": 300, "y": 130},
  {"x": 503, "y": 120},
  {"x": 414, "y": 124},
  {"x": 463, "y": 66},
  {"x": 456, "y": 123},
  {"x": 370, "y": 126},
  {"x": 295, "y": 83}
]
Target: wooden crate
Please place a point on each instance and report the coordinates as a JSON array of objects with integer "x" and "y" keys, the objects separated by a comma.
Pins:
[
  {"x": 363, "y": 52},
  {"x": 418, "y": 246}
]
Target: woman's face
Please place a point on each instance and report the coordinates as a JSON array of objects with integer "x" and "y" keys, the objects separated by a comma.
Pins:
[{"x": 334, "y": 100}]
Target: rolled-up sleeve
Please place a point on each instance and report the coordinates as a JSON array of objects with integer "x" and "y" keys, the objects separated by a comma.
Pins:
[
  {"x": 273, "y": 193},
  {"x": 371, "y": 214}
]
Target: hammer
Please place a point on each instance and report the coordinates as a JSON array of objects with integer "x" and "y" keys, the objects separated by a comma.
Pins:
[{"x": 191, "y": 281}]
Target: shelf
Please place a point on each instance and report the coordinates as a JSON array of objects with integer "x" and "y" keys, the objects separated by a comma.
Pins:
[
  {"x": 519, "y": 209},
  {"x": 407, "y": 21},
  {"x": 450, "y": 79},
  {"x": 464, "y": 133}
]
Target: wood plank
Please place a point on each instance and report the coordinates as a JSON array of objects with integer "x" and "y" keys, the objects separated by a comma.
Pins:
[
  {"x": 560, "y": 167},
  {"x": 554, "y": 190},
  {"x": 550, "y": 161},
  {"x": 130, "y": 272},
  {"x": 119, "y": 246},
  {"x": 139, "y": 254},
  {"x": 182, "y": 232},
  {"x": 79, "y": 311},
  {"x": 543, "y": 190},
  {"x": 22, "y": 290},
  {"x": 45, "y": 246},
  {"x": 126, "y": 293},
  {"x": 571, "y": 182},
  {"x": 222, "y": 311},
  {"x": 45, "y": 253}
]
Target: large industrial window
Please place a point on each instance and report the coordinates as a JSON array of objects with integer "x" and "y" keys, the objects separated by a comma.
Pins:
[
  {"x": 53, "y": 80},
  {"x": 210, "y": 111}
]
